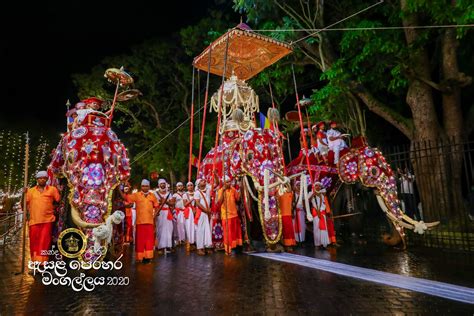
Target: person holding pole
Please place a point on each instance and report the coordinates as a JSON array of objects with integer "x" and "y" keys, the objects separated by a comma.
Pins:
[
  {"x": 147, "y": 208},
  {"x": 285, "y": 202},
  {"x": 320, "y": 212},
  {"x": 41, "y": 201},
  {"x": 227, "y": 198}
]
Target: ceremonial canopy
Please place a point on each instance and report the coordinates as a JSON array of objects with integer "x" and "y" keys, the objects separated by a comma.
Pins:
[{"x": 248, "y": 53}]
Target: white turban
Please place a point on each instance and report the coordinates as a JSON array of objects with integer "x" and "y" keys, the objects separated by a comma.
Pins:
[
  {"x": 189, "y": 183},
  {"x": 41, "y": 174},
  {"x": 145, "y": 182},
  {"x": 198, "y": 181},
  {"x": 161, "y": 181},
  {"x": 179, "y": 183}
]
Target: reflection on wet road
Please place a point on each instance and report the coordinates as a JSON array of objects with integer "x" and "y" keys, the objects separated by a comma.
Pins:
[
  {"x": 217, "y": 284},
  {"x": 444, "y": 290}
]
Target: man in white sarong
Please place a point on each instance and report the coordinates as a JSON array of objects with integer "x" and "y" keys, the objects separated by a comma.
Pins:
[
  {"x": 164, "y": 221},
  {"x": 179, "y": 212},
  {"x": 320, "y": 210},
  {"x": 202, "y": 198},
  {"x": 188, "y": 214}
]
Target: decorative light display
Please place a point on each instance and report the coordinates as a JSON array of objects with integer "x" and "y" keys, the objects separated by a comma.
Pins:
[
  {"x": 12, "y": 147},
  {"x": 39, "y": 158}
]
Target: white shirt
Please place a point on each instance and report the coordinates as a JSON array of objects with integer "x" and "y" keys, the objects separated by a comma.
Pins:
[
  {"x": 188, "y": 196},
  {"x": 204, "y": 197},
  {"x": 318, "y": 202},
  {"x": 179, "y": 200},
  {"x": 159, "y": 194},
  {"x": 335, "y": 143}
]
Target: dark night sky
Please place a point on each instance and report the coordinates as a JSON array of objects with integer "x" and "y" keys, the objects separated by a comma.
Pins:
[{"x": 42, "y": 45}]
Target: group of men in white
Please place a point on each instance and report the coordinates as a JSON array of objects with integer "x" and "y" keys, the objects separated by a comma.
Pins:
[{"x": 184, "y": 216}]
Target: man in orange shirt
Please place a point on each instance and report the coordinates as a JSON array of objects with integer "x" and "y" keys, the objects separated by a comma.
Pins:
[
  {"x": 288, "y": 233},
  {"x": 145, "y": 205},
  {"x": 228, "y": 198},
  {"x": 41, "y": 201}
]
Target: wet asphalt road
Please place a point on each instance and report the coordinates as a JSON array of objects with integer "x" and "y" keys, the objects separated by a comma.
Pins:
[{"x": 183, "y": 283}]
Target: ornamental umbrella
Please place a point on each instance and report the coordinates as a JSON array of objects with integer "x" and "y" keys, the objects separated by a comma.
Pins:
[{"x": 248, "y": 53}]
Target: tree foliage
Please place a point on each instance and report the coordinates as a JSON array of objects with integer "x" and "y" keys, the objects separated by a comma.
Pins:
[
  {"x": 162, "y": 69},
  {"x": 374, "y": 67}
]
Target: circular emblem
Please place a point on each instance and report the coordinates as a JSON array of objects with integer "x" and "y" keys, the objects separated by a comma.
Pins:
[
  {"x": 79, "y": 132},
  {"x": 72, "y": 243}
]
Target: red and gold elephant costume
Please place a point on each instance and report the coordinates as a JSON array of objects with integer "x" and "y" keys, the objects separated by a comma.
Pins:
[
  {"x": 367, "y": 165},
  {"x": 94, "y": 162},
  {"x": 250, "y": 153}
]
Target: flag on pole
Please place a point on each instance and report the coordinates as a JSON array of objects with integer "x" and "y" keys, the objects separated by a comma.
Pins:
[
  {"x": 264, "y": 122},
  {"x": 194, "y": 161}
]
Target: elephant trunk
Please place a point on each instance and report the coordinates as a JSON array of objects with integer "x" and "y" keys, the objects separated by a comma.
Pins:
[{"x": 79, "y": 222}]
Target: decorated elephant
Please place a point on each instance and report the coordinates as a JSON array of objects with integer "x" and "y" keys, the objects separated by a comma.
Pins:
[
  {"x": 254, "y": 154},
  {"x": 367, "y": 165},
  {"x": 93, "y": 161}
]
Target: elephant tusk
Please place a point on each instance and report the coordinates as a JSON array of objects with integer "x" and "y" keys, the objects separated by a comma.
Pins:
[
  {"x": 427, "y": 225},
  {"x": 432, "y": 224},
  {"x": 304, "y": 192},
  {"x": 76, "y": 219},
  {"x": 390, "y": 215},
  {"x": 266, "y": 180}
]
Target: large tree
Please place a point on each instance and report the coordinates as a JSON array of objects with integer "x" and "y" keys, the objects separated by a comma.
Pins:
[{"x": 411, "y": 77}]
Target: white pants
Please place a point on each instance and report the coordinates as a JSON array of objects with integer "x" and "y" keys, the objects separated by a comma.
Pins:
[
  {"x": 301, "y": 225},
  {"x": 323, "y": 149},
  {"x": 321, "y": 237},
  {"x": 336, "y": 147},
  {"x": 190, "y": 228},
  {"x": 180, "y": 227},
  {"x": 203, "y": 232},
  {"x": 164, "y": 231}
]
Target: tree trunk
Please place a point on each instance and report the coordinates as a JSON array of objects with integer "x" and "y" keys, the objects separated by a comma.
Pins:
[
  {"x": 419, "y": 96},
  {"x": 452, "y": 117},
  {"x": 452, "y": 112},
  {"x": 428, "y": 168}
]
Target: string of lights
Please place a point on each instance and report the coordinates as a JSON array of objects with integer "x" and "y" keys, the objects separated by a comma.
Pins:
[
  {"x": 375, "y": 28},
  {"x": 12, "y": 167}
]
